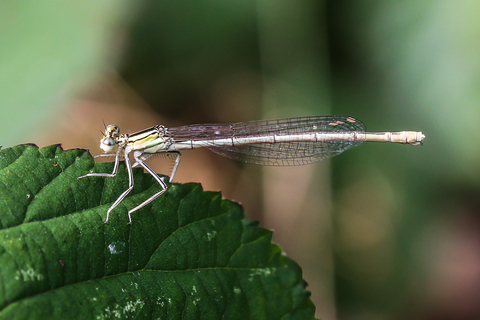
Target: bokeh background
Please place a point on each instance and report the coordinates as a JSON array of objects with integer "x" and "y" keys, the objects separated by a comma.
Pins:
[{"x": 382, "y": 231}]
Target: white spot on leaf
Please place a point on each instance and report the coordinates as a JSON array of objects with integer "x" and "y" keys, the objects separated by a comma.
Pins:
[
  {"x": 211, "y": 235},
  {"x": 116, "y": 247},
  {"x": 28, "y": 274}
]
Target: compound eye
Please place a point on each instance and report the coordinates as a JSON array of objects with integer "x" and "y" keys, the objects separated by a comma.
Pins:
[
  {"x": 107, "y": 144},
  {"x": 112, "y": 130}
]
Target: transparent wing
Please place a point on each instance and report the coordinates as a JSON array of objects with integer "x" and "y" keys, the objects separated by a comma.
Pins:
[{"x": 274, "y": 154}]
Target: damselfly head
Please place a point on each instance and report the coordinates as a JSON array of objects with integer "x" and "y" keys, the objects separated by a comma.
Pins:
[
  {"x": 112, "y": 130},
  {"x": 108, "y": 142}
]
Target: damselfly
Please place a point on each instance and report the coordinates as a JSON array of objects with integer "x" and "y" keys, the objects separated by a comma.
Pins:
[{"x": 281, "y": 142}]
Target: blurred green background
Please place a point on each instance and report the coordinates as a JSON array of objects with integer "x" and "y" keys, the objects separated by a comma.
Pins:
[{"x": 382, "y": 231}]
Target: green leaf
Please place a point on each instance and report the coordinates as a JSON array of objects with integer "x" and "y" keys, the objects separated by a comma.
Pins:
[{"x": 188, "y": 255}]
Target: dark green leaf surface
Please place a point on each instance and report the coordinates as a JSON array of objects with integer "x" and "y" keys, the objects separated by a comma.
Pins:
[{"x": 189, "y": 255}]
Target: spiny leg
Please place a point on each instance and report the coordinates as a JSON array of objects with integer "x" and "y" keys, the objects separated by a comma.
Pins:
[
  {"x": 115, "y": 167},
  {"x": 139, "y": 160},
  {"x": 104, "y": 155},
  {"x": 126, "y": 192},
  {"x": 144, "y": 157},
  {"x": 175, "y": 166}
]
